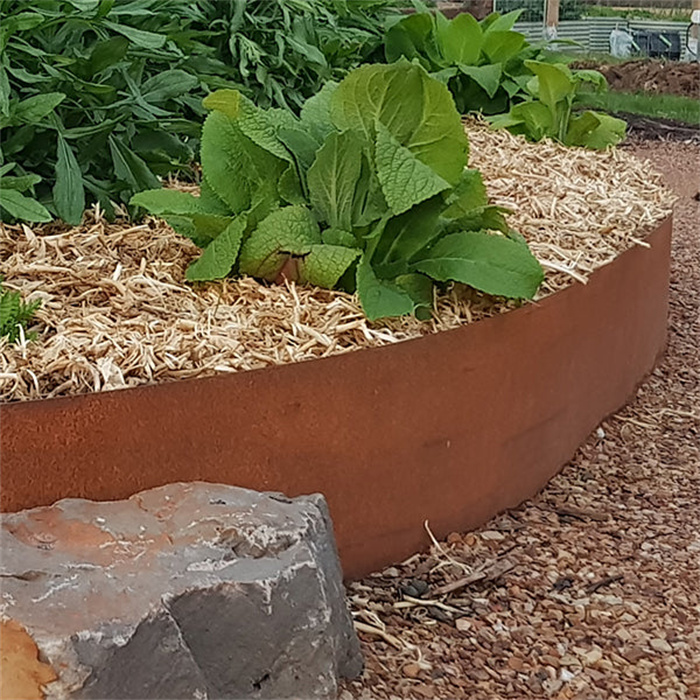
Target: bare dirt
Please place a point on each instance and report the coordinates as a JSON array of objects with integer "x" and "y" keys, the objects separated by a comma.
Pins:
[
  {"x": 590, "y": 590},
  {"x": 655, "y": 77}
]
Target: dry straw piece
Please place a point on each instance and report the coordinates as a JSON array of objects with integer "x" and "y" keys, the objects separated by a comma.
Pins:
[{"x": 117, "y": 312}]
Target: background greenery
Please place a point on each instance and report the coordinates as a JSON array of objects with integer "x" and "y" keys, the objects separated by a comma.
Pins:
[{"x": 98, "y": 98}]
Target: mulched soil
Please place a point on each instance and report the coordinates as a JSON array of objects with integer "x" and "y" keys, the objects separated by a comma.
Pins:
[
  {"x": 657, "y": 77},
  {"x": 591, "y": 589}
]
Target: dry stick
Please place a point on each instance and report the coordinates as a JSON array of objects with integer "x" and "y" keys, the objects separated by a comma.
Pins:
[{"x": 495, "y": 570}]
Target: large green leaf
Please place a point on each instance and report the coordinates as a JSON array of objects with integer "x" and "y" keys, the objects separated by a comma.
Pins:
[
  {"x": 461, "y": 40},
  {"x": 316, "y": 113},
  {"x": 233, "y": 166},
  {"x": 326, "y": 264},
  {"x": 595, "y": 130},
  {"x": 553, "y": 84},
  {"x": 255, "y": 123},
  {"x": 333, "y": 177},
  {"x": 492, "y": 263},
  {"x": 381, "y": 298},
  {"x": 168, "y": 85},
  {"x": 140, "y": 37},
  {"x": 220, "y": 255},
  {"x": 162, "y": 201},
  {"x": 469, "y": 194},
  {"x": 286, "y": 232},
  {"x": 35, "y": 108},
  {"x": 416, "y": 109},
  {"x": 21, "y": 207},
  {"x": 68, "y": 192},
  {"x": 487, "y": 77},
  {"x": 406, "y": 181},
  {"x": 501, "y": 46},
  {"x": 130, "y": 167},
  {"x": 411, "y": 38}
]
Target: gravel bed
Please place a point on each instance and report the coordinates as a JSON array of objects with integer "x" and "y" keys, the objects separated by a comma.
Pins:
[{"x": 591, "y": 589}]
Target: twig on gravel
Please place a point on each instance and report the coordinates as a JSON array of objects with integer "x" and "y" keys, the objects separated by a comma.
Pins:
[
  {"x": 597, "y": 585},
  {"x": 488, "y": 572}
]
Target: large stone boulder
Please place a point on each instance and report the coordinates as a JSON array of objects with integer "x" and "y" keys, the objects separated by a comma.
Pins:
[{"x": 184, "y": 591}]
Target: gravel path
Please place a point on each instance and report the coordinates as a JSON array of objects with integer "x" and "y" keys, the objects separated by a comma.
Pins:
[{"x": 590, "y": 590}]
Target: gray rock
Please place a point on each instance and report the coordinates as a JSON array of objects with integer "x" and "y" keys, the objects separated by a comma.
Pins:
[{"x": 185, "y": 591}]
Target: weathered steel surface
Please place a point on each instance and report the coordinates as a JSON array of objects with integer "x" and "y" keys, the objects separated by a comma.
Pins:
[{"x": 450, "y": 428}]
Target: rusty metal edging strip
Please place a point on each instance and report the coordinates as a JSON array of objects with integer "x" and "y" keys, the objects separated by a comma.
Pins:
[{"x": 450, "y": 428}]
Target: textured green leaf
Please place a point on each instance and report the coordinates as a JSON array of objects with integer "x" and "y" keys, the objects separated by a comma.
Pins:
[
  {"x": 325, "y": 264},
  {"x": 490, "y": 217},
  {"x": 316, "y": 113},
  {"x": 461, "y": 40},
  {"x": 333, "y": 177},
  {"x": 21, "y": 207},
  {"x": 162, "y": 201},
  {"x": 302, "y": 145},
  {"x": 201, "y": 229},
  {"x": 253, "y": 122},
  {"x": 469, "y": 194},
  {"x": 336, "y": 236},
  {"x": 492, "y": 263},
  {"x": 286, "y": 232},
  {"x": 210, "y": 201},
  {"x": 233, "y": 166},
  {"x": 405, "y": 180},
  {"x": 35, "y": 108},
  {"x": 68, "y": 192},
  {"x": 487, "y": 77},
  {"x": 380, "y": 298},
  {"x": 417, "y": 110},
  {"x": 289, "y": 186},
  {"x": 403, "y": 237},
  {"x": 220, "y": 255}
]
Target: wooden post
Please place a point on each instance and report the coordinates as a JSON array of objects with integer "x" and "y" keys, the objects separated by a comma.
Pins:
[
  {"x": 694, "y": 30},
  {"x": 552, "y": 19}
]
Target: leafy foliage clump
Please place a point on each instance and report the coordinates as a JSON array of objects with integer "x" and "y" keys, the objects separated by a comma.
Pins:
[
  {"x": 98, "y": 98},
  {"x": 549, "y": 110},
  {"x": 367, "y": 190},
  {"x": 482, "y": 63},
  {"x": 15, "y": 314},
  {"x": 491, "y": 68}
]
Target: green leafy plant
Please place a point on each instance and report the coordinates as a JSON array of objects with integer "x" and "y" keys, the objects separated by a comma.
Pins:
[
  {"x": 15, "y": 315},
  {"x": 550, "y": 110},
  {"x": 367, "y": 189},
  {"x": 482, "y": 63},
  {"x": 98, "y": 98},
  {"x": 16, "y": 204}
]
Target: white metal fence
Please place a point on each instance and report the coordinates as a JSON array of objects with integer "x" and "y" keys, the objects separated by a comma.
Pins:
[{"x": 592, "y": 34}]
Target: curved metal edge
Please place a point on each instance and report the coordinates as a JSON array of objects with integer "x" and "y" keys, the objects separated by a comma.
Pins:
[{"x": 451, "y": 428}]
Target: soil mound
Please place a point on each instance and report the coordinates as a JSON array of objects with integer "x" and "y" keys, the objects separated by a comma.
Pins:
[{"x": 659, "y": 77}]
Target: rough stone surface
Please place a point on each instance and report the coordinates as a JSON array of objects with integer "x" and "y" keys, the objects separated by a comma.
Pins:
[{"x": 184, "y": 591}]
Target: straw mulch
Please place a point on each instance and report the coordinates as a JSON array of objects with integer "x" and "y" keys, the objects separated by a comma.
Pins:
[{"x": 117, "y": 313}]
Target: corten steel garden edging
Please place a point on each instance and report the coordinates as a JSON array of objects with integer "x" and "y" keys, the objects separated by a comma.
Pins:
[{"x": 450, "y": 428}]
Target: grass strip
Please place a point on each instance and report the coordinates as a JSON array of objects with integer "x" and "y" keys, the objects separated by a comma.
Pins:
[{"x": 674, "y": 107}]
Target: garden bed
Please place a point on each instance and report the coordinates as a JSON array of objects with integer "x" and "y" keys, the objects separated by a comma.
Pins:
[
  {"x": 117, "y": 313},
  {"x": 456, "y": 424}
]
